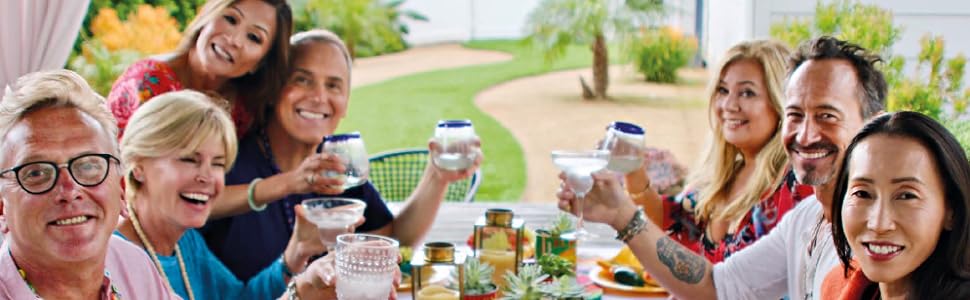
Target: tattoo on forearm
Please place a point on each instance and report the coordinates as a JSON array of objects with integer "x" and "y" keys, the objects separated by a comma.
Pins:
[{"x": 685, "y": 265}]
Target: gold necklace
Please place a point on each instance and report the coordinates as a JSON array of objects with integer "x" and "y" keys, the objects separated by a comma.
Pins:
[{"x": 151, "y": 252}]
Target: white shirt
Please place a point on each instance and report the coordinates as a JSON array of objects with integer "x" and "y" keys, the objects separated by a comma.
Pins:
[{"x": 778, "y": 264}]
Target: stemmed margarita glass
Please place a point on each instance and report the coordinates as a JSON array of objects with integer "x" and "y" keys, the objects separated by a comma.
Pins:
[
  {"x": 579, "y": 166},
  {"x": 333, "y": 216}
]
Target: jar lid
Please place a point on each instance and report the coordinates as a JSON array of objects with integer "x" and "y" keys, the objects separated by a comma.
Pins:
[
  {"x": 499, "y": 217},
  {"x": 439, "y": 252}
]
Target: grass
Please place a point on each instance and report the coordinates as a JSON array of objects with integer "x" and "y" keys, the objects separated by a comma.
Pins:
[{"x": 402, "y": 112}]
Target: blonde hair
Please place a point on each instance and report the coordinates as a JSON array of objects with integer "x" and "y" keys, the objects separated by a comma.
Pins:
[
  {"x": 265, "y": 82},
  {"x": 718, "y": 170},
  {"x": 172, "y": 122},
  {"x": 321, "y": 36},
  {"x": 58, "y": 88}
]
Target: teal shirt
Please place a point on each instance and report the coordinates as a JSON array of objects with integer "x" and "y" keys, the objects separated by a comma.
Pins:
[{"x": 210, "y": 279}]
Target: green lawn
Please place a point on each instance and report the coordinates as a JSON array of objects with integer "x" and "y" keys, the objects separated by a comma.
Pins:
[{"x": 402, "y": 112}]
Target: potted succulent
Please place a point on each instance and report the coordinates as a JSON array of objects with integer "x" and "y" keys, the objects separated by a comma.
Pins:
[
  {"x": 557, "y": 239},
  {"x": 564, "y": 288},
  {"x": 527, "y": 285},
  {"x": 478, "y": 280}
]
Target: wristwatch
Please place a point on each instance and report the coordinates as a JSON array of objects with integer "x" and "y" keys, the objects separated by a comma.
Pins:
[{"x": 291, "y": 290}]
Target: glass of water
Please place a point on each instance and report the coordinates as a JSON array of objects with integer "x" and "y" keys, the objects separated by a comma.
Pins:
[
  {"x": 333, "y": 216},
  {"x": 365, "y": 266},
  {"x": 456, "y": 149},
  {"x": 579, "y": 167},
  {"x": 349, "y": 147},
  {"x": 625, "y": 142}
]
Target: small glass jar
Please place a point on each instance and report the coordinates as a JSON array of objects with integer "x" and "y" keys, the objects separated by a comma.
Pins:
[
  {"x": 434, "y": 272},
  {"x": 498, "y": 240}
]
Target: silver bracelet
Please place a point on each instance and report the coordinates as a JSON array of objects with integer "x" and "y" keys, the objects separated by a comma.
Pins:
[
  {"x": 636, "y": 224},
  {"x": 291, "y": 290}
]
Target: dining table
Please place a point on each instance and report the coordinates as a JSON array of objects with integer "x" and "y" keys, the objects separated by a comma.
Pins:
[{"x": 454, "y": 223}]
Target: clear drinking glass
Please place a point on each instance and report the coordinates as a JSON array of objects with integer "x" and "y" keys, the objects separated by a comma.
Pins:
[
  {"x": 333, "y": 216},
  {"x": 579, "y": 165},
  {"x": 349, "y": 147},
  {"x": 456, "y": 149},
  {"x": 625, "y": 142},
  {"x": 365, "y": 266}
]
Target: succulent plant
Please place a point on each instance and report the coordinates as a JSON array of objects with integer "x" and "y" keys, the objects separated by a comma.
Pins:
[
  {"x": 563, "y": 288},
  {"x": 555, "y": 265},
  {"x": 562, "y": 224},
  {"x": 478, "y": 277},
  {"x": 524, "y": 286}
]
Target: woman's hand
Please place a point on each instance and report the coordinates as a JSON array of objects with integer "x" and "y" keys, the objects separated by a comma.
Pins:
[
  {"x": 606, "y": 202},
  {"x": 308, "y": 177},
  {"x": 448, "y": 176},
  {"x": 320, "y": 280},
  {"x": 305, "y": 241}
]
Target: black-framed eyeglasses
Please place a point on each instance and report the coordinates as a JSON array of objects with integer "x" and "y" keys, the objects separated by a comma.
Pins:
[{"x": 40, "y": 176}]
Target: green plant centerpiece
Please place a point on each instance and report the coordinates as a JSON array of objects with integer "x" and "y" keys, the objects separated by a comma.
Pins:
[{"x": 478, "y": 280}]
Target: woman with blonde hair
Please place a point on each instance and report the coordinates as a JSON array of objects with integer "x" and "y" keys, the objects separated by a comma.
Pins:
[
  {"x": 236, "y": 48},
  {"x": 741, "y": 188},
  {"x": 172, "y": 182}
]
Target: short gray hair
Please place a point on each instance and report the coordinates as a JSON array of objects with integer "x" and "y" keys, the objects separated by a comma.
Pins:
[
  {"x": 58, "y": 88},
  {"x": 321, "y": 36}
]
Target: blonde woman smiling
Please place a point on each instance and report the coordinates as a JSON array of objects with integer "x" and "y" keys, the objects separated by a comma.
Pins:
[
  {"x": 172, "y": 180},
  {"x": 740, "y": 191}
]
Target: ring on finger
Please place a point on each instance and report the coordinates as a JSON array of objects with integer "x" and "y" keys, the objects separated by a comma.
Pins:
[{"x": 311, "y": 178}]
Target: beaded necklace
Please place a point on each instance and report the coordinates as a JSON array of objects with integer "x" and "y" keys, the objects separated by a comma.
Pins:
[
  {"x": 151, "y": 252},
  {"x": 289, "y": 200},
  {"x": 105, "y": 284}
]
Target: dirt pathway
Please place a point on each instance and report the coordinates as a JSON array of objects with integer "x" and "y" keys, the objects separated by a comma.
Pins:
[
  {"x": 420, "y": 59},
  {"x": 546, "y": 113}
]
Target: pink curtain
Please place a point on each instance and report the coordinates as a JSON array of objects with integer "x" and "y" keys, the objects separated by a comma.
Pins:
[{"x": 37, "y": 35}]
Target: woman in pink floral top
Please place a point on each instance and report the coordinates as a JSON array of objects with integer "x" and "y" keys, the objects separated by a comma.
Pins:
[
  {"x": 235, "y": 48},
  {"x": 741, "y": 189}
]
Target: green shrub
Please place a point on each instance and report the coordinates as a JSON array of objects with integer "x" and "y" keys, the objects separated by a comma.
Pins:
[
  {"x": 101, "y": 67},
  {"x": 369, "y": 27},
  {"x": 960, "y": 128},
  {"x": 936, "y": 83},
  {"x": 658, "y": 53}
]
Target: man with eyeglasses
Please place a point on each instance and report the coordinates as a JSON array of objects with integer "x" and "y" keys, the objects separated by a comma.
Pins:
[{"x": 61, "y": 197}]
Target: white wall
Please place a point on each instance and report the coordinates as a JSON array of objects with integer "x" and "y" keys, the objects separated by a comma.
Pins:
[{"x": 463, "y": 20}]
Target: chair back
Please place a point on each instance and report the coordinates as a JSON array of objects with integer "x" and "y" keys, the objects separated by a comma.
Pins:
[{"x": 396, "y": 174}]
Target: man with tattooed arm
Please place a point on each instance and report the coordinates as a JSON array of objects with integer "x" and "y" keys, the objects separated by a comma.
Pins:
[{"x": 833, "y": 88}]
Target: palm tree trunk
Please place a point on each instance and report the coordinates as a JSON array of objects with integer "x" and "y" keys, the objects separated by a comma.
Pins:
[{"x": 601, "y": 76}]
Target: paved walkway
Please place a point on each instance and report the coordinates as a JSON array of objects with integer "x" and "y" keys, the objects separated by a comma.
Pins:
[{"x": 546, "y": 112}]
